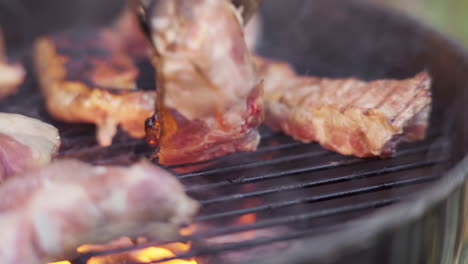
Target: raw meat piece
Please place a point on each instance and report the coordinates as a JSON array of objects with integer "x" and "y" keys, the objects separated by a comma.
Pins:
[
  {"x": 349, "y": 116},
  {"x": 46, "y": 214},
  {"x": 25, "y": 143}
]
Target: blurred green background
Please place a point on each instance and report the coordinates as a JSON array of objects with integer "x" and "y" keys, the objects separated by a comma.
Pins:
[{"x": 449, "y": 16}]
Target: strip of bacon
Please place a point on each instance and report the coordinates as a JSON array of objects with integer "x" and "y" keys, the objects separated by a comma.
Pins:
[
  {"x": 25, "y": 143},
  {"x": 349, "y": 116},
  {"x": 209, "y": 96},
  {"x": 92, "y": 77},
  {"x": 11, "y": 75},
  {"x": 46, "y": 214}
]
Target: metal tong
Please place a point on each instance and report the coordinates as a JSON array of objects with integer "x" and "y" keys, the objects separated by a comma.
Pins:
[{"x": 246, "y": 7}]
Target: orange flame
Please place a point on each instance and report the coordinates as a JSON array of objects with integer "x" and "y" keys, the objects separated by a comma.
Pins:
[
  {"x": 146, "y": 255},
  {"x": 187, "y": 230},
  {"x": 247, "y": 219},
  {"x": 156, "y": 253}
]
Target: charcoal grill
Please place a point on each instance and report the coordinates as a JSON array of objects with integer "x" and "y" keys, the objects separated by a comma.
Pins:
[{"x": 311, "y": 205}]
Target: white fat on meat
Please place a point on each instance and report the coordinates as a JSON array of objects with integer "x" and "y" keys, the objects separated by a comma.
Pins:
[{"x": 25, "y": 143}]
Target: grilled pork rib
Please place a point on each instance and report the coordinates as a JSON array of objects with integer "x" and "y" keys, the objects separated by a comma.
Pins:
[
  {"x": 209, "y": 96},
  {"x": 11, "y": 75},
  {"x": 92, "y": 77},
  {"x": 25, "y": 143},
  {"x": 349, "y": 116},
  {"x": 46, "y": 214}
]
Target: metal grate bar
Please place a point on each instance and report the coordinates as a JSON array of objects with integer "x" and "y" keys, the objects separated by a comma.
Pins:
[
  {"x": 270, "y": 134},
  {"x": 278, "y": 174},
  {"x": 295, "y": 218},
  {"x": 278, "y": 147},
  {"x": 95, "y": 149},
  {"x": 212, "y": 251},
  {"x": 243, "y": 154},
  {"x": 318, "y": 198},
  {"x": 257, "y": 225},
  {"x": 252, "y": 243},
  {"x": 279, "y": 221},
  {"x": 292, "y": 187},
  {"x": 257, "y": 164}
]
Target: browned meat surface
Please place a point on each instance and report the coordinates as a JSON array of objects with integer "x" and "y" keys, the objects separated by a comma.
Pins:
[
  {"x": 349, "y": 116},
  {"x": 11, "y": 75},
  {"x": 25, "y": 143},
  {"x": 92, "y": 77},
  {"x": 209, "y": 96},
  {"x": 46, "y": 214}
]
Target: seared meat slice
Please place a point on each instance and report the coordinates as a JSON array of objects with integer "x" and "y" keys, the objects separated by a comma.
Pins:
[
  {"x": 46, "y": 214},
  {"x": 349, "y": 116},
  {"x": 209, "y": 96},
  {"x": 25, "y": 143},
  {"x": 11, "y": 75},
  {"x": 92, "y": 77}
]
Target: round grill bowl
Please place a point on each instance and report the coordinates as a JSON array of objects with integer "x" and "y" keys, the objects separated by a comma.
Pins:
[{"x": 330, "y": 38}]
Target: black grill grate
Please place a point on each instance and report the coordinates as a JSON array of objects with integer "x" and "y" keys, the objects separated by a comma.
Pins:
[{"x": 294, "y": 190}]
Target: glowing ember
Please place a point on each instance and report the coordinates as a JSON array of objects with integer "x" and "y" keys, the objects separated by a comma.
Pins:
[
  {"x": 247, "y": 219},
  {"x": 156, "y": 253},
  {"x": 146, "y": 255},
  {"x": 187, "y": 230}
]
